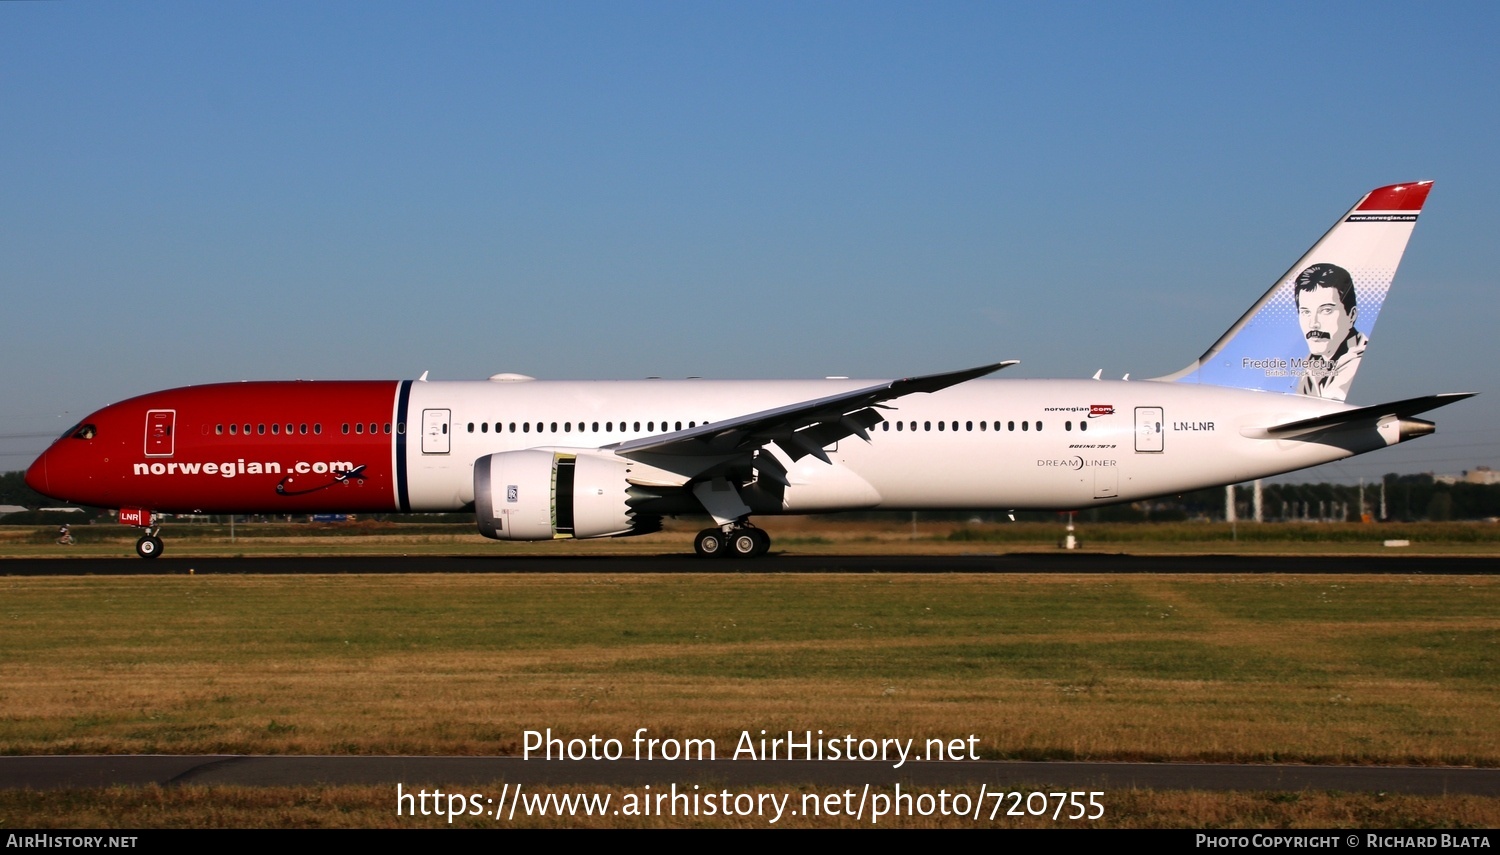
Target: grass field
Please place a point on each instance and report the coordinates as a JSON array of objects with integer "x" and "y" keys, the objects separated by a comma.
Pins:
[{"x": 1258, "y": 668}]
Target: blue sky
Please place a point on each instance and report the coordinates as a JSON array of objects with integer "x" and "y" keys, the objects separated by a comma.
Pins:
[{"x": 204, "y": 192}]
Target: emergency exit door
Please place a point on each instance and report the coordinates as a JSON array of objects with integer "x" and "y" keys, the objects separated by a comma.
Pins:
[
  {"x": 159, "y": 426},
  {"x": 435, "y": 438},
  {"x": 1149, "y": 435}
]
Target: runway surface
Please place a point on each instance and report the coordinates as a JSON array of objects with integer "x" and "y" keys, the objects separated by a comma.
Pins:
[
  {"x": 51, "y": 773},
  {"x": 1058, "y": 562}
]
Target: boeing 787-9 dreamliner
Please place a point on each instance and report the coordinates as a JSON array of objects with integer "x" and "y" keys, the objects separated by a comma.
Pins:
[{"x": 544, "y": 460}]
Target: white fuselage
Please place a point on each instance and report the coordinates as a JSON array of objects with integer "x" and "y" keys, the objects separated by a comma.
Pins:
[{"x": 1011, "y": 444}]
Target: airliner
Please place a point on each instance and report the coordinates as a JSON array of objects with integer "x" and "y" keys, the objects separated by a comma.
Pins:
[{"x": 546, "y": 460}]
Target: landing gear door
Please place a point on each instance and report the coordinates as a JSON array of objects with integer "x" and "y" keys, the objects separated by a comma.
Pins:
[
  {"x": 1148, "y": 429},
  {"x": 159, "y": 427},
  {"x": 1106, "y": 482},
  {"x": 435, "y": 438}
]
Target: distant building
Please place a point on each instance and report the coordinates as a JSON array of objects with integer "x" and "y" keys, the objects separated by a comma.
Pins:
[{"x": 1477, "y": 475}]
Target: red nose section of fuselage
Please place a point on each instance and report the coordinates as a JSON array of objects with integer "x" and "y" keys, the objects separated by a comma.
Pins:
[
  {"x": 261, "y": 447},
  {"x": 66, "y": 470},
  {"x": 36, "y": 476},
  {"x": 56, "y": 474}
]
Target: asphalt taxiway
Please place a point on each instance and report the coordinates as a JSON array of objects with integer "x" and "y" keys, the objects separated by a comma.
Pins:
[
  {"x": 66, "y": 772},
  {"x": 1013, "y": 563}
]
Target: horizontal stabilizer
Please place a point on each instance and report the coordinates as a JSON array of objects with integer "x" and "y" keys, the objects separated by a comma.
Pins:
[{"x": 1399, "y": 409}]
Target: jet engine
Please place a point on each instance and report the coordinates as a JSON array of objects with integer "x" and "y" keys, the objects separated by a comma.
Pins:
[{"x": 541, "y": 494}]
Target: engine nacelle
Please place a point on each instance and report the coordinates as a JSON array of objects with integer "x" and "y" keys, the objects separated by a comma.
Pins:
[{"x": 542, "y": 495}]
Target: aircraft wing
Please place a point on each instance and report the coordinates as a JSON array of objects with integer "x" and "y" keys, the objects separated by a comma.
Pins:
[
  {"x": 798, "y": 429},
  {"x": 1400, "y": 409}
]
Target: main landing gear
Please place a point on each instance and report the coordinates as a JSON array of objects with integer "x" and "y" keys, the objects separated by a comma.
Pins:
[
  {"x": 734, "y": 535},
  {"x": 739, "y": 541}
]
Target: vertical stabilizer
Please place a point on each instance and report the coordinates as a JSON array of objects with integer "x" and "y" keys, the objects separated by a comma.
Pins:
[{"x": 1308, "y": 334}]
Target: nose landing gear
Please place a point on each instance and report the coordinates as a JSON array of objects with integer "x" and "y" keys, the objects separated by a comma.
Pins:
[{"x": 149, "y": 546}]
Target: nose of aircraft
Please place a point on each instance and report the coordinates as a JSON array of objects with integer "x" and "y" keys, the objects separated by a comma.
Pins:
[{"x": 36, "y": 475}]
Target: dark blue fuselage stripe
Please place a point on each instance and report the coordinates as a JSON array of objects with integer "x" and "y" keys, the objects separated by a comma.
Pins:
[{"x": 403, "y": 501}]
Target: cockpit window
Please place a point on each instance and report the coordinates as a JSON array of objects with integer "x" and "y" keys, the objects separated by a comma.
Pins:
[{"x": 84, "y": 431}]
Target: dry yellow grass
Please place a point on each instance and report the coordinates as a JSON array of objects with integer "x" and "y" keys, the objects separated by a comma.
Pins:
[
  {"x": 1314, "y": 669},
  {"x": 1342, "y": 669}
]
